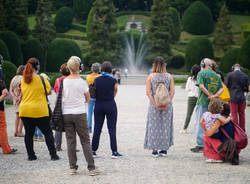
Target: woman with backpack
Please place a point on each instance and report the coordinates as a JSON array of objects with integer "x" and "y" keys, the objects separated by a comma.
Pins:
[{"x": 160, "y": 91}]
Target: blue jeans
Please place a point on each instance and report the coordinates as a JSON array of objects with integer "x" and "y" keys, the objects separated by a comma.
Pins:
[
  {"x": 91, "y": 106},
  {"x": 38, "y": 133},
  {"x": 199, "y": 110}
]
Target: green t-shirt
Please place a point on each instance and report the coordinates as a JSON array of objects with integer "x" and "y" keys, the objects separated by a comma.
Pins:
[{"x": 212, "y": 83}]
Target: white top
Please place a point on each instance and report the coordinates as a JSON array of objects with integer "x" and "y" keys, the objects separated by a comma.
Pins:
[
  {"x": 191, "y": 88},
  {"x": 73, "y": 99}
]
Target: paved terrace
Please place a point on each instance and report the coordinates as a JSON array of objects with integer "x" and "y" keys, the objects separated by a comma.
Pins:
[{"x": 137, "y": 166}]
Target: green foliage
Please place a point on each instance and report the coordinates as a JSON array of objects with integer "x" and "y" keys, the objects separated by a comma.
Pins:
[
  {"x": 32, "y": 48},
  {"x": 16, "y": 12},
  {"x": 14, "y": 47},
  {"x": 63, "y": 20},
  {"x": 32, "y": 5},
  {"x": 177, "y": 24},
  {"x": 177, "y": 61},
  {"x": 9, "y": 71},
  {"x": 89, "y": 22},
  {"x": 238, "y": 6},
  {"x": 229, "y": 59},
  {"x": 180, "y": 5},
  {"x": 138, "y": 12},
  {"x": 59, "y": 51},
  {"x": 103, "y": 36},
  {"x": 61, "y": 3},
  {"x": 196, "y": 50},
  {"x": 133, "y": 4},
  {"x": 4, "y": 50},
  {"x": 81, "y": 8},
  {"x": 53, "y": 76},
  {"x": 79, "y": 27},
  {"x": 160, "y": 30},
  {"x": 198, "y": 19},
  {"x": 44, "y": 29},
  {"x": 223, "y": 36},
  {"x": 245, "y": 54},
  {"x": 2, "y": 16}
]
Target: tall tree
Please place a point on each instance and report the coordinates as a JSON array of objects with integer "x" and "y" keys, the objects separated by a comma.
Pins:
[
  {"x": 223, "y": 36},
  {"x": 180, "y": 5},
  {"x": 2, "y": 16},
  {"x": 81, "y": 8},
  {"x": 44, "y": 30},
  {"x": 103, "y": 37},
  {"x": 160, "y": 29},
  {"x": 16, "y": 12}
]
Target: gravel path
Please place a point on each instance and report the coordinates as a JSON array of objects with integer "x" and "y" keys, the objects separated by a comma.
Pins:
[{"x": 137, "y": 166}]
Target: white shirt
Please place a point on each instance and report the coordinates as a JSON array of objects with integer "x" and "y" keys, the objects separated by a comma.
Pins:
[
  {"x": 191, "y": 88},
  {"x": 73, "y": 99}
]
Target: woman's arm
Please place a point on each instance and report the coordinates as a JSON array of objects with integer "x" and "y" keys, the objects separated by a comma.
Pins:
[
  {"x": 87, "y": 97},
  {"x": 213, "y": 129},
  {"x": 115, "y": 89},
  {"x": 12, "y": 93},
  {"x": 172, "y": 88},
  {"x": 224, "y": 120},
  {"x": 188, "y": 84},
  {"x": 148, "y": 90},
  {"x": 4, "y": 94}
]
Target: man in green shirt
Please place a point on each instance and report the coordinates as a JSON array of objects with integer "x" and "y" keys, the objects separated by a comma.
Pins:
[{"x": 210, "y": 86}]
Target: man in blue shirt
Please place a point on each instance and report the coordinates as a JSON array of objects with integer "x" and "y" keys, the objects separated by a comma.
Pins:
[{"x": 238, "y": 83}]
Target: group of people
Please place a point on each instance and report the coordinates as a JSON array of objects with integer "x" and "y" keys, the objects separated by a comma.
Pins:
[{"x": 30, "y": 94}]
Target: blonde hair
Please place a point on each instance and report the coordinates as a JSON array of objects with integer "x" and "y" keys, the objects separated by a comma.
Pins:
[
  {"x": 215, "y": 106},
  {"x": 159, "y": 65},
  {"x": 73, "y": 65}
]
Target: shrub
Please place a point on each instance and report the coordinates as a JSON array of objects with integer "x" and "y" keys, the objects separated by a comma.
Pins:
[
  {"x": 4, "y": 50},
  {"x": 59, "y": 51},
  {"x": 196, "y": 50},
  {"x": 53, "y": 76},
  {"x": 177, "y": 24},
  {"x": 229, "y": 59},
  {"x": 245, "y": 54},
  {"x": 79, "y": 27},
  {"x": 33, "y": 48},
  {"x": 14, "y": 47},
  {"x": 89, "y": 21},
  {"x": 9, "y": 71},
  {"x": 198, "y": 19},
  {"x": 177, "y": 61},
  {"x": 63, "y": 20}
]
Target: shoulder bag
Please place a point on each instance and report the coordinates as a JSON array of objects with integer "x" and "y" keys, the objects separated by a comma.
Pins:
[{"x": 50, "y": 112}]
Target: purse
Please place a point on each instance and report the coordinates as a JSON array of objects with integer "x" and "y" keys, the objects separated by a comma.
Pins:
[
  {"x": 50, "y": 112},
  {"x": 240, "y": 136},
  {"x": 225, "y": 95},
  {"x": 57, "y": 117}
]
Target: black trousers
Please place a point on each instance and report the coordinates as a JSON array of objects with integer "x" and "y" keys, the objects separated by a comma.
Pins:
[
  {"x": 43, "y": 124},
  {"x": 102, "y": 109}
]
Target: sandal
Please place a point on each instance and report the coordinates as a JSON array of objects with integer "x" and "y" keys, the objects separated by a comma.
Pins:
[{"x": 20, "y": 135}]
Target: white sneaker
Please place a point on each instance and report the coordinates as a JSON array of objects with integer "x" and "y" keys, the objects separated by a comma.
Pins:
[
  {"x": 213, "y": 161},
  {"x": 72, "y": 171},
  {"x": 94, "y": 172},
  {"x": 183, "y": 131}
]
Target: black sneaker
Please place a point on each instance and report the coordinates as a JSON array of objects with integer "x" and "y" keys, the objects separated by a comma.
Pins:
[
  {"x": 163, "y": 153},
  {"x": 155, "y": 154},
  {"x": 55, "y": 157},
  {"x": 13, "y": 150},
  {"x": 116, "y": 155},
  {"x": 94, "y": 154},
  {"x": 31, "y": 158},
  {"x": 197, "y": 149}
]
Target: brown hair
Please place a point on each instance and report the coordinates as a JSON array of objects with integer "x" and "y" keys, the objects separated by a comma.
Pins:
[
  {"x": 28, "y": 70},
  {"x": 107, "y": 67},
  {"x": 213, "y": 65},
  {"x": 20, "y": 70},
  {"x": 159, "y": 65},
  {"x": 63, "y": 69},
  {"x": 215, "y": 106}
]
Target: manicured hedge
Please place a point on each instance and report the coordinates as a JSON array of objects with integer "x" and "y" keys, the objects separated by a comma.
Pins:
[
  {"x": 63, "y": 20},
  {"x": 177, "y": 61},
  {"x": 79, "y": 27},
  {"x": 59, "y": 51},
  {"x": 9, "y": 71},
  {"x": 245, "y": 54},
  {"x": 33, "y": 48},
  {"x": 198, "y": 19},
  {"x": 4, "y": 50},
  {"x": 14, "y": 47},
  {"x": 177, "y": 24},
  {"x": 122, "y": 13},
  {"x": 68, "y": 36},
  {"x": 229, "y": 59},
  {"x": 89, "y": 21},
  {"x": 196, "y": 50}
]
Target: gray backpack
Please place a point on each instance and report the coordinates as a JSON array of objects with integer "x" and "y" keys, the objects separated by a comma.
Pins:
[{"x": 162, "y": 97}]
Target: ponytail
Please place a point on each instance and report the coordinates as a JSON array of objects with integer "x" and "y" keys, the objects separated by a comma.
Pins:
[{"x": 27, "y": 73}]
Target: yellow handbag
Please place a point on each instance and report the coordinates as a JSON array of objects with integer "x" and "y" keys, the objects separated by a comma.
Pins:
[{"x": 225, "y": 96}]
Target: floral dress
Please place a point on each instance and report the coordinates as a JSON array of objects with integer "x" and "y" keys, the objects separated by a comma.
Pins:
[{"x": 159, "y": 130}]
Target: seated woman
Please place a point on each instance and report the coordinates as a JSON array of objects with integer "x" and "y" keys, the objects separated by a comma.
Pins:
[{"x": 211, "y": 145}]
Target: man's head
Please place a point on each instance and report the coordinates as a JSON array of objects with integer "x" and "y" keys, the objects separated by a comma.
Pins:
[
  {"x": 206, "y": 63},
  {"x": 236, "y": 67}
]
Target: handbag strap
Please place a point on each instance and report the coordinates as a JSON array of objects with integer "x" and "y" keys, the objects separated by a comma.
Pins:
[
  {"x": 225, "y": 133},
  {"x": 44, "y": 88}
]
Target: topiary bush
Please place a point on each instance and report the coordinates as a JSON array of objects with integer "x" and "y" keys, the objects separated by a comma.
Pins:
[
  {"x": 198, "y": 19},
  {"x": 245, "y": 54},
  {"x": 14, "y": 46},
  {"x": 63, "y": 20},
  {"x": 89, "y": 21},
  {"x": 196, "y": 50},
  {"x": 9, "y": 71},
  {"x": 177, "y": 61},
  {"x": 229, "y": 59},
  {"x": 4, "y": 50},
  {"x": 177, "y": 24},
  {"x": 33, "y": 48},
  {"x": 59, "y": 51}
]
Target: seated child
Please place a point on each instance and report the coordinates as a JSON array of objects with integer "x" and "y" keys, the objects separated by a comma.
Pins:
[{"x": 215, "y": 107}]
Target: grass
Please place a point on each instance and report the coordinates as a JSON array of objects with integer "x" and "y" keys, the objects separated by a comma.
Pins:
[
  {"x": 76, "y": 32},
  {"x": 237, "y": 21}
]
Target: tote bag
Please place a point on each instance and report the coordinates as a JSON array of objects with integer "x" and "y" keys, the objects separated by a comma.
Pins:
[{"x": 225, "y": 96}]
